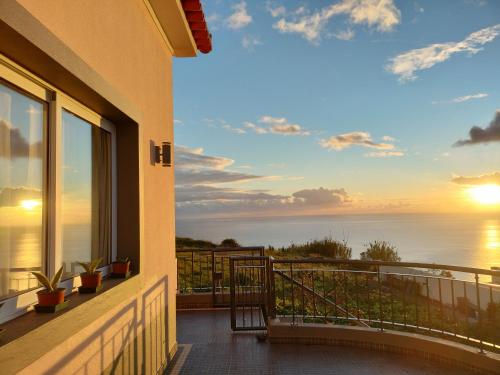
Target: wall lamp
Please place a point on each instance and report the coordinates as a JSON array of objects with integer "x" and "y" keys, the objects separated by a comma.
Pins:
[{"x": 163, "y": 154}]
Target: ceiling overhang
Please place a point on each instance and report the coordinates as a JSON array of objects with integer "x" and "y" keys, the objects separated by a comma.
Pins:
[{"x": 174, "y": 24}]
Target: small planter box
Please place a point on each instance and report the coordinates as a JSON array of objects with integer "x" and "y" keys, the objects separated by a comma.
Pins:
[
  {"x": 89, "y": 290},
  {"x": 51, "y": 309},
  {"x": 120, "y": 275}
]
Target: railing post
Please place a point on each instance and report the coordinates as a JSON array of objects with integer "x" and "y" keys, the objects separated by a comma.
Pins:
[
  {"x": 271, "y": 285},
  {"x": 292, "y": 294},
  {"x": 233, "y": 293},
  {"x": 213, "y": 278},
  {"x": 381, "y": 317},
  {"x": 478, "y": 301}
]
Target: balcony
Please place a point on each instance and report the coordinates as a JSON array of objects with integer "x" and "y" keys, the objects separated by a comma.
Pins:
[{"x": 360, "y": 315}]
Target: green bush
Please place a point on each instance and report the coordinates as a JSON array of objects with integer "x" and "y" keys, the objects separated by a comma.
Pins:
[
  {"x": 380, "y": 250},
  {"x": 186, "y": 242},
  {"x": 229, "y": 242},
  {"x": 326, "y": 247}
]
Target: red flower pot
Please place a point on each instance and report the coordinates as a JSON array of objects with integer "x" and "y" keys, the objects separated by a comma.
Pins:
[
  {"x": 91, "y": 281},
  {"x": 46, "y": 298},
  {"x": 120, "y": 268}
]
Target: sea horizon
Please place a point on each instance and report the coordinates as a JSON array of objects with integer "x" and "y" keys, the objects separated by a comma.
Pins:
[{"x": 471, "y": 240}]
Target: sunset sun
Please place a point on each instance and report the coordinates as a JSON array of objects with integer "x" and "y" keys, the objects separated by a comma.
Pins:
[
  {"x": 30, "y": 204},
  {"x": 485, "y": 194}
]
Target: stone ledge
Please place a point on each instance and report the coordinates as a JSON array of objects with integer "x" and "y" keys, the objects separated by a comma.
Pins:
[{"x": 429, "y": 348}]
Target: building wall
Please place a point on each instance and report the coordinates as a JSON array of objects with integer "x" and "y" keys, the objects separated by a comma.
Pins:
[{"x": 120, "y": 41}]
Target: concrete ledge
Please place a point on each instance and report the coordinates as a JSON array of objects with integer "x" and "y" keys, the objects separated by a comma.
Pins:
[
  {"x": 195, "y": 301},
  {"x": 430, "y": 348}
]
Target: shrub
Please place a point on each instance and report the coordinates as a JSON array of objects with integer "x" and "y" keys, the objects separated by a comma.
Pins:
[
  {"x": 380, "y": 250},
  {"x": 326, "y": 247},
  {"x": 229, "y": 242},
  {"x": 186, "y": 242}
]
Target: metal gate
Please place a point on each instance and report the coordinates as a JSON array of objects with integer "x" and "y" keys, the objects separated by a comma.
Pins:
[
  {"x": 220, "y": 269},
  {"x": 249, "y": 290}
]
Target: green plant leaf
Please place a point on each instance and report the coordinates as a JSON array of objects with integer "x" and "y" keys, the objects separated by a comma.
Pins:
[
  {"x": 56, "y": 278},
  {"x": 86, "y": 266},
  {"x": 44, "y": 280}
]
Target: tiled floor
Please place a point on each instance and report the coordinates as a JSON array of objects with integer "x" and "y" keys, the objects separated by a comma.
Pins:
[{"x": 214, "y": 349}]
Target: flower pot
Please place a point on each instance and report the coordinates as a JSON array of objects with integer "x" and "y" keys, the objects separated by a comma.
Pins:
[
  {"x": 46, "y": 298},
  {"x": 120, "y": 268},
  {"x": 91, "y": 281}
]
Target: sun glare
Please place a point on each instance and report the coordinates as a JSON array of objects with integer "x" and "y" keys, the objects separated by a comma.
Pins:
[
  {"x": 485, "y": 194},
  {"x": 30, "y": 204}
]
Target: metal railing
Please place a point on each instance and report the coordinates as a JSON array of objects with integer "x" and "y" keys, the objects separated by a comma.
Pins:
[
  {"x": 249, "y": 286},
  {"x": 433, "y": 299},
  {"x": 207, "y": 270}
]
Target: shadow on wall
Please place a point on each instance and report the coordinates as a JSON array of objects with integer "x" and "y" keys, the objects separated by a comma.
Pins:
[{"x": 132, "y": 341}]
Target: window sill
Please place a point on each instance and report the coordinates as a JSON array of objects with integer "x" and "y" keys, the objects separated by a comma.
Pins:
[{"x": 43, "y": 332}]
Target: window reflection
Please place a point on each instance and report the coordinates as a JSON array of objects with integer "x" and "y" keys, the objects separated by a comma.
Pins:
[
  {"x": 22, "y": 160},
  {"x": 86, "y": 189}
]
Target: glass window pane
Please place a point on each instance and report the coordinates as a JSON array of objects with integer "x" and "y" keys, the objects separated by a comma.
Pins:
[
  {"x": 22, "y": 168},
  {"x": 86, "y": 189},
  {"x": 76, "y": 187}
]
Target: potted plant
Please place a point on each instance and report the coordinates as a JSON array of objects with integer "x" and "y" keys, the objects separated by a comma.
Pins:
[
  {"x": 120, "y": 268},
  {"x": 91, "y": 278},
  {"x": 51, "y": 299}
]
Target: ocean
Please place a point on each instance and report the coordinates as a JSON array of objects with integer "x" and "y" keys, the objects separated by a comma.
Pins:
[{"x": 471, "y": 240}]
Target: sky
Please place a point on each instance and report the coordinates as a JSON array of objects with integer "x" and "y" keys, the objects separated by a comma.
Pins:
[{"x": 340, "y": 106}]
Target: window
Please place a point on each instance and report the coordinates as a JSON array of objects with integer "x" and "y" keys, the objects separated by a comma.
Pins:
[
  {"x": 56, "y": 182},
  {"x": 23, "y": 122},
  {"x": 86, "y": 192}
]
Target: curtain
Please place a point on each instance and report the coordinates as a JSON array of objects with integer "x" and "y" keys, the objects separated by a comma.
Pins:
[{"x": 101, "y": 195}]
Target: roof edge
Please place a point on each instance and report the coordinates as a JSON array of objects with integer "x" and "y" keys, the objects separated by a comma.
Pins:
[{"x": 171, "y": 18}]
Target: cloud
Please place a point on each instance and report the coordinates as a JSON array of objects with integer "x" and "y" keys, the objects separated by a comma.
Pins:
[
  {"x": 240, "y": 17},
  {"x": 321, "y": 196},
  {"x": 275, "y": 10},
  {"x": 223, "y": 124},
  {"x": 249, "y": 42},
  {"x": 209, "y": 201},
  {"x": 406, "y": 64},
  {"x": 381, "y": 14},
  {"x": 212, "y": 176},
  {"x": 199, "y": 192},
  {"x": 289, "y": 129},
  {"x": 202, "y": 193},
  {"x": 18, "y": 146},
  {"x": 11, "y": 196},
  {"x": 193, "y": 158},
  {"x": 384, "y": 154},
  {"x": 344, "y": 34},
  {"x": 276, "y": 125},
  {"x": 479, "y": 135},
  {"x": 192, "y": 167},
  {"x": 462, "y": 99},
  {"x": 492, "y": 178},
  {"x": 388, "y": 138},
  {"x": 343, "y": 141},
  {"x": 214, "y": 21},
  {"x": 257, "y": 129}
]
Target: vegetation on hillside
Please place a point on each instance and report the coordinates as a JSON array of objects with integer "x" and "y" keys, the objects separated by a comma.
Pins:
[
  {"x": 327, "y": 247},
  {"x": 229, "y": 242},
  {"x": 186, "y": 242},
  {"x": 380, "y": 250}
]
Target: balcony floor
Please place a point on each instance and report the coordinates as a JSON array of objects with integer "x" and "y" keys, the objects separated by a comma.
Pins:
[{"x": 210, "y": 347}]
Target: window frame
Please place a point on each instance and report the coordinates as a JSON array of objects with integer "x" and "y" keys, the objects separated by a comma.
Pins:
[{"x": 56, "y": 100}]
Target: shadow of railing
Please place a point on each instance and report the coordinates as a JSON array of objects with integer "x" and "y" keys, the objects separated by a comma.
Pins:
[{"x": 133, "y": 340}]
